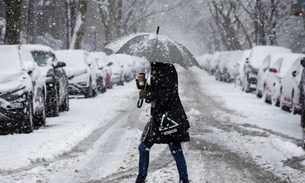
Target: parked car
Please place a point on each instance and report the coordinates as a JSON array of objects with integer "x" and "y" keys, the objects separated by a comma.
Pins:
[
  {"x": 273, "y": 89},
  {"x": 214, "y": 63},
  {"x": 240, "y": 67},
  {"x": 141, "y": 65},
  {"x": 263, "y": 72},
  {"x": 253, "y": 63},
  {"x": 98, "y": 63},
  {"x": 128, "y": 67},
  {"x": 80, "y": 71},
  {"x": 56, "y": 80},
  {"x": 116, "y": 69},
  {"x": 220, "y": 69},
  {"x": 22, "y": 90},
  {"x": 205, "y": 61},
  {"x": 228, "y": 66},
  {"x": 291, "y": 82}
]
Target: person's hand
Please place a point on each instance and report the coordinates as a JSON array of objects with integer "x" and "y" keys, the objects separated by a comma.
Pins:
[{"x": 142, "y": 94}]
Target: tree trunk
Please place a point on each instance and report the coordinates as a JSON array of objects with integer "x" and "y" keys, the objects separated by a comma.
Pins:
[
  {"x": 13, "y": 21},
  {"x": 260, "y": 23},
  {"x": 110, "y": 28},
  {"x": 81, "y": 31}
]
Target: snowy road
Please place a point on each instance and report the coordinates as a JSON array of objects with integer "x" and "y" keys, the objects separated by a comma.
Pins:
[{"x": 234, "y": 139}]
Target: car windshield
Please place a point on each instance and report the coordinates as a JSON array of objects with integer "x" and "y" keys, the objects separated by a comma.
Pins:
[
  {"x": 41, "y": 58},
  {"x": 9, "y": 59}
]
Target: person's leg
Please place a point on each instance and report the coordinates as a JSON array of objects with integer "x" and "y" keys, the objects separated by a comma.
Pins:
[
  {"x": 178, "y": 155},
  {"x": 143, "y": 161}
]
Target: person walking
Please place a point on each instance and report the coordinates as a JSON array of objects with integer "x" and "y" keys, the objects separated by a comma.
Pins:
[{"x": 168, "y": 123}]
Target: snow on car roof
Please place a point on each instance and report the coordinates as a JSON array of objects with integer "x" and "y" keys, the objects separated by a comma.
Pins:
[
  {"x": 259, "y": 53},
  {"x": 32, "y": 47},
  {"x": 72, "y": 57}
]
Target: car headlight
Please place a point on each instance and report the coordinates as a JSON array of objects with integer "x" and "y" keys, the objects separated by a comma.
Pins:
[{"x": 14, "y": 99}]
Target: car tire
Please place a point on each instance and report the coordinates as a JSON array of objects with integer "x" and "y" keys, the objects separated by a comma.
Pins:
[
  {"x": 259, "y": 94},
  {"x": 27, "y": 125},
  {"x": 89, "y": 94},
  {"x": 282, "y": 106},
  {"x": 66, "y": 105},
  {"x": 53, "y": 108},
  {"x": 266, "y": 98},
  {"x": 40, "y": 118}
]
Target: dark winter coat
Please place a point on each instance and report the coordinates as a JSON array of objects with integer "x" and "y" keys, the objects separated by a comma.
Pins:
[{"x": 165, "y": 102}]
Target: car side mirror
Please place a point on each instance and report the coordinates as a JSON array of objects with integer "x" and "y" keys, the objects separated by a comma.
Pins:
[
  {"x": 294, "y": 73},
  {"x": 60, "y": 64},
  {"x": 29, "y": 67},
  {"x": 303, "y": 62},
  {"x": 273, "y": 70}
]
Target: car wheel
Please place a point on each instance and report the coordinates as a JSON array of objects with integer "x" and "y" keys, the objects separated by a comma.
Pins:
[
  {"x": 90, "y": 90},
  {"x": 94, "y": 92},
  {"x": 267, "y": 100},
  {"x": 27, "y": 125},
  {"x": 53, "y": 108},
  {"x": 66, "y": 105},
  {"x": 40, "y": 118},
  {"x": 259, "y": 94},
  {"x": 282, "y": 105}
]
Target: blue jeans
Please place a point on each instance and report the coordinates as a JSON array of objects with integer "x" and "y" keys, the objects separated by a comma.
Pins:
[{"x": 176, "y": 152}]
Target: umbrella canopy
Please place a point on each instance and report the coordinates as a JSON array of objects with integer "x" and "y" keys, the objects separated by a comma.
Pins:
[{"x": 155, "y": 48}]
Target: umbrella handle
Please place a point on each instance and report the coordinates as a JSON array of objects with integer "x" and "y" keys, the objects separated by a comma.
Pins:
[{"x": 140, "y": 103}]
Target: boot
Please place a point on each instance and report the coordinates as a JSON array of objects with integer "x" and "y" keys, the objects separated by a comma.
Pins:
[
  {"x": 140, "y": 180},
  {"x": 181, "y": 181}
]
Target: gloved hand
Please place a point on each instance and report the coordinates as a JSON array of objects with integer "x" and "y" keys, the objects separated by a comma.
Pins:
[
  {"x": 142, "y": 94},
  {"x": 140, "y": 87}
]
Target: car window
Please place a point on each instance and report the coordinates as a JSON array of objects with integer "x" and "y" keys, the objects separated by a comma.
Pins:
[{"x": 41, "y": 58}]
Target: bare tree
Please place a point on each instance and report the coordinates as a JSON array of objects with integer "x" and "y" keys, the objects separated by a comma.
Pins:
[{"x": 223, "y": 14}]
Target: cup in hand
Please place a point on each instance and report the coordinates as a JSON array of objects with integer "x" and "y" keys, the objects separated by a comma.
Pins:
[{"x": 141, "y": 79}]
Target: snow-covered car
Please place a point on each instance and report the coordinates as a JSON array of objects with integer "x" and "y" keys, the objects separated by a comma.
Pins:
[
  {"x": 228, "y": 66},
  {"x": 80, "y": 71},
  {"x": 273, "y": 86},
  {"x": 214, "y": 63},
  {"x": 220, "y": 69},
  {"x": 128, "y": 66},
  {"x": 22, "y": 90},
  {"x": 98, "y": 60},
  {"x": 56, "y": 80},
  {"x": 291, "y": 82},
  {"x": 240, "y": 67},
  {"x": 253, "y": 63},
  {"x": 263, "y": 72},
  {"x": 205, "y": 61},
  {"x": 141, "y": 65},
  {"x": 116, "y": 69}
]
